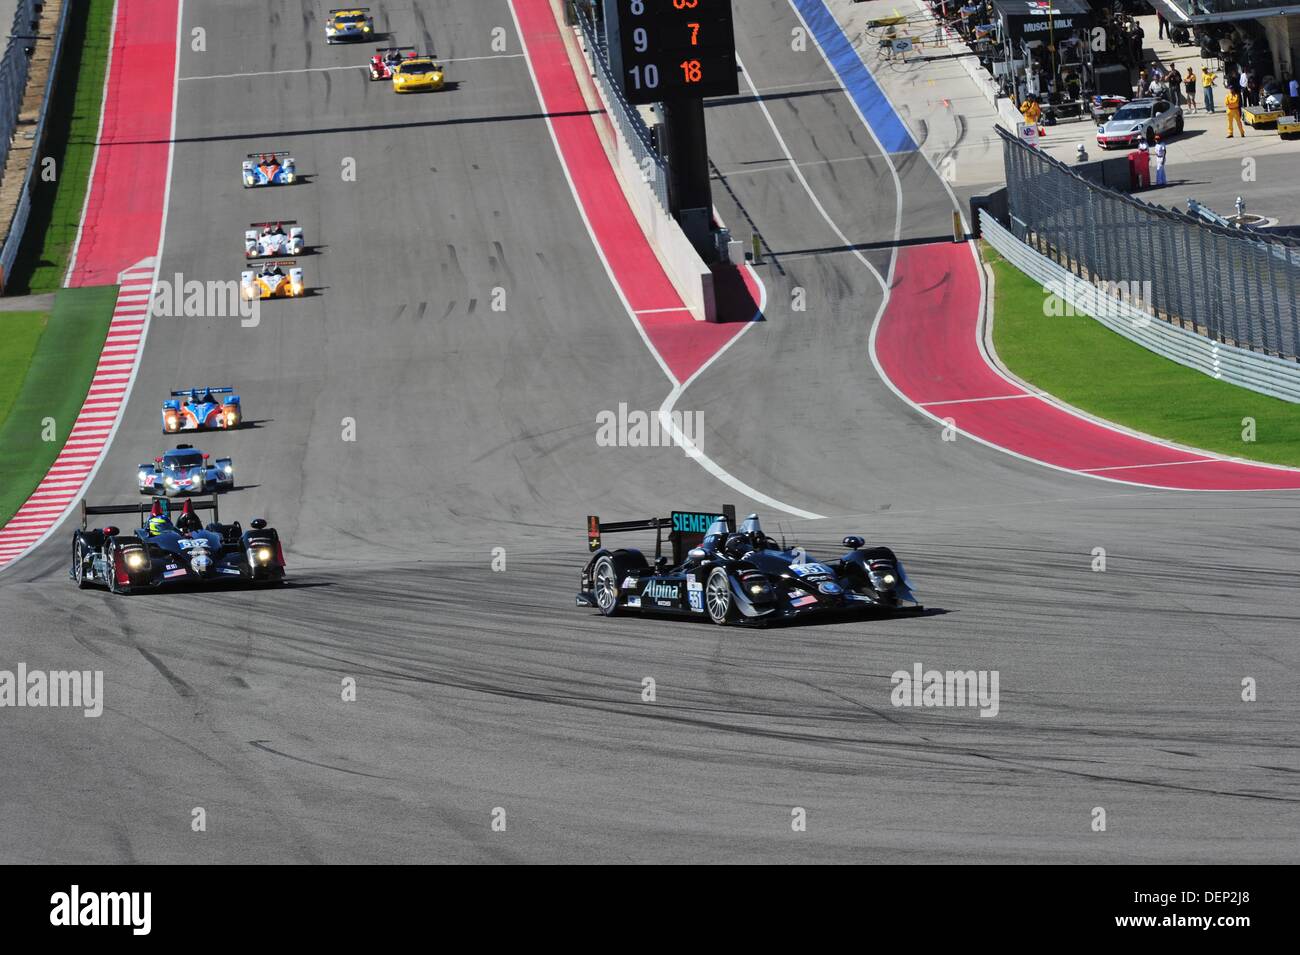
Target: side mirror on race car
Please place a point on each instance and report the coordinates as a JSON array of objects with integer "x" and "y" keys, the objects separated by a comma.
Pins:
[
  {"x": 698, "y": 554},
  {"x": 110, "y": 531},
  {"x": 257, "y": 523},
  {"x": 853, "y": 542}
]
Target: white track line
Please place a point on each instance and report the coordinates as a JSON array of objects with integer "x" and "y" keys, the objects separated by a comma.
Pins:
[
  {"x": 968, "y": 401},
  {"x": 698, "y": 456},
  {"x": 331, "y": 69}
]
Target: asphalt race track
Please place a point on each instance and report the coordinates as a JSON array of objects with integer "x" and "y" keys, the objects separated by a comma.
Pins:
[{"x": 475, "y": 430}]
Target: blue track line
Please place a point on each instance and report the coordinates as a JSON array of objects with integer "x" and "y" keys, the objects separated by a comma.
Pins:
[{"x": 887, "y": 125}]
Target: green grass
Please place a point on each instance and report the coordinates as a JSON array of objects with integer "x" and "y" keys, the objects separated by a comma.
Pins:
[
  {"x": 58, "y": 373},
  {"x": 1085, "y": 364},
  {"x": 19, "y": 333},
  {"x": 72, "y": 123}
]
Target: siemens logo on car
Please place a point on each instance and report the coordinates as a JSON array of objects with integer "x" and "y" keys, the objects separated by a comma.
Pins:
[{"x": 693, "y": 523}]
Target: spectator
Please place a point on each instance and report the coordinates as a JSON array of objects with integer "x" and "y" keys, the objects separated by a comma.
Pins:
[
  {"x": 1160, "y": 161},
  {"x": 1293, "y": 90},
  {"x": 1164, "y": 25},
  {"x": 1031, "y": 111},
  {"x": 1175, "y": 85},
  {"x": 1243, "y": 85},
  {"x": 1157, "y": 89},
  {"x": 1207, "y": 87},
  {"x": 1252, "y": 91},
  {"x": 1140, "y": 161},
  {"x": 1232, "y": 103},
  {"x": 1144, "y": 85},
  {"x": 1189, "y": 86}
]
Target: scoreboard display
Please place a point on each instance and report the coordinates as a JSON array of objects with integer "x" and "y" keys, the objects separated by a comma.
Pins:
[{"x": 672, "y": 49}]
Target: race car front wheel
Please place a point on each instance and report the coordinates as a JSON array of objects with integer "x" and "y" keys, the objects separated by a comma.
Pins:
[
  {"x": 605, "y": 584},
  {"x": 79, "y": 564},
  {"x": 717, "y": 597}
]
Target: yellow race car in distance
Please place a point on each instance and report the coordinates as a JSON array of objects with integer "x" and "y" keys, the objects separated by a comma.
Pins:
[
  {"x": 275, "y": 279},
  {"x": 418, "y": 75},
  {"x": 343, "y": 26}
]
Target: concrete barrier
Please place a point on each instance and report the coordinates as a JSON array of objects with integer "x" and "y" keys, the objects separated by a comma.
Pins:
[
  {"x": 18, "y": 222},
  {"x": 689, "y": 274}
]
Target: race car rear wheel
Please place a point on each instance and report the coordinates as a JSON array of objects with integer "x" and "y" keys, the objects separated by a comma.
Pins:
[
  {"x": 604, "y": 581},
  {"x": 717, "y": 597}
]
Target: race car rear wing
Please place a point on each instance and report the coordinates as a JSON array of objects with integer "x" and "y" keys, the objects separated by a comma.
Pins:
[
  {"x": 254, "y": 225},
  {"x": 268, "y": 152},
  {"x": 350, "y": 10},
  {"x": 686, "y": 529},
  {"x": 190, "y": 392},
  {"x": 394, "y": 49},
  {"x": 143, "y": 509}
]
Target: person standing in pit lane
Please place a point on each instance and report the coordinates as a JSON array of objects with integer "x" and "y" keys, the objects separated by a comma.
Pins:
[
  {"x": 1031, "y": 111},
  {"x": 1160, "y": 161},
  {"x": 1189, "y": 87},
  {"x": 1175, "y": 81},
  {"x": 1207, "y": 86},
  {"x": 1232, "y": 102}
]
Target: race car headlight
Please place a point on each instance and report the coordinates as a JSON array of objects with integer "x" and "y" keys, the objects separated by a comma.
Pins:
[
  {"x": 289, "y": 177},
  {"x": 229, "y": 469},
  {"x": 757, "y": 587},
  {"x": 168, "y": 481},
  {"x": 143, "y": 475},
  {"x": 135, "y": 560},
  {"x": 264, "y": 554}
]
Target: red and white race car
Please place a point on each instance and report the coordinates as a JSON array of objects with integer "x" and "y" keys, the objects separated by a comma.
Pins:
[{"x": 386, "y": 59}]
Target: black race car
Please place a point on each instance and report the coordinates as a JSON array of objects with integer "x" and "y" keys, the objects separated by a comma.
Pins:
[
  {"x": 740, "y": 576},
  {"x": 162, "y": 554}
]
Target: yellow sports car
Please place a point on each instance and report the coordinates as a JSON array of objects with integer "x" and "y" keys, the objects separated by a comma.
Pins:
[
  {"x": 276, "y": 279},
  {"x": 417, "y": 75}
]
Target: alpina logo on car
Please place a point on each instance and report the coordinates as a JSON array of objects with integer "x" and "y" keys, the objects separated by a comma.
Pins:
[{"x": 660, "y": 591}]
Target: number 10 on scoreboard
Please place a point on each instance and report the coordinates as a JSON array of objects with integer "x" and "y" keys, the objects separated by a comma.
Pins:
[{"x": 672, "y": 49}]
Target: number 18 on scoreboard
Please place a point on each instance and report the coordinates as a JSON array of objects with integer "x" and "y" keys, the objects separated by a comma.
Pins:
[{"x": 672, "y": 49}]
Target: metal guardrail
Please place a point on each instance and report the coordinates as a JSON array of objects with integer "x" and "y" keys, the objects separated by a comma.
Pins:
[
  {"x": 630, "y": 125},
  {"x": 1233, "y": 286},
  {"x": 18, "y": 224},
  {"x": 1265, "y": 374},
  {"x": 13, "y": 74}
]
